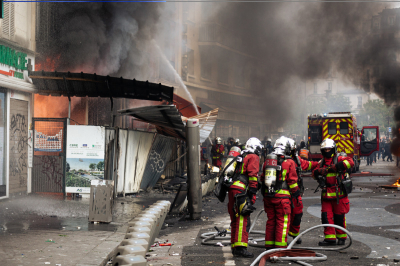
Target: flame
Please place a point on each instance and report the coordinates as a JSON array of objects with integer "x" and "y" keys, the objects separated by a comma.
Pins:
[
  {"x": 397, "y": 183},
  {"x": 49, "y": 64},
  {"x": 57, "y": 107}
]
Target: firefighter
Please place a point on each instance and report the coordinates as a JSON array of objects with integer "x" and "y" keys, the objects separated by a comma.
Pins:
[
  {"x": 330, "y": 174},
  {"x": 217, "y": 152},
  {"x": 242, "y": 196},
  {"x": 277, "y": 198},
  {"x": 297, "y": 203},
  {"x": 236, "y": 143}
]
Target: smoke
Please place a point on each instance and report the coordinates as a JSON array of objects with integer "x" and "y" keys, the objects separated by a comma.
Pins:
[
  {"x": 279, "y": 44},
  {"x": 105, "y": 38},
  {"x": 297, "y": 42}
]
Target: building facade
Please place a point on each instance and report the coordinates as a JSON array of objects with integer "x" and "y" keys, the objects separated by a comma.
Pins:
[
  {"x": 17, "y": 56},
  {"x": 216, "y": 70}
]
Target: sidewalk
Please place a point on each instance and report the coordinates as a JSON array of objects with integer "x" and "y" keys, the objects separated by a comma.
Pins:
[{"x": 38, "y": 230}]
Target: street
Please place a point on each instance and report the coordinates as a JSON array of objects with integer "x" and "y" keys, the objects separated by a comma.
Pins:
[
  {"x": 373, "y": 221},
  {"x": 38, "y": 231}
]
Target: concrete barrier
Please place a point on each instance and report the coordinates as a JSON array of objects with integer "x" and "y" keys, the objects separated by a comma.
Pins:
[
  {"x": 140, "y": 235},
  {"x": 139, "y": 230},
  {"x": 129, "y": 260},
  {"x": 135, "y": 242},
  {"x": 132, "y": 250}
]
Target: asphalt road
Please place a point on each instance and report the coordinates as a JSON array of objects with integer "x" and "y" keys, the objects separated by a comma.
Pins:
[{"x": 373, "y": 220}]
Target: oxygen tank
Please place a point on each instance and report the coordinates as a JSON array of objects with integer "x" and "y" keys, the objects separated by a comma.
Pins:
[
  {"x": 270, "y": 171},
  {"x": 235, "y": 151}
]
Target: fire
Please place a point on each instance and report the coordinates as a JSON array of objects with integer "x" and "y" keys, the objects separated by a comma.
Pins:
[
  {"x": 397, "y": 183},
  {"x": 57, "y": 107},
  {"x": 50, "y": 64}
]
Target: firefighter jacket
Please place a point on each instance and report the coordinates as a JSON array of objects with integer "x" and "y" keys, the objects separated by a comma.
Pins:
[
  {"x": 246, "y": 173},
  {"x": 217, "y": 151},
  {"x": 329, "y": 193},
  {"x": 304, "y": 164},
  {"x": 286, "y": 181}
]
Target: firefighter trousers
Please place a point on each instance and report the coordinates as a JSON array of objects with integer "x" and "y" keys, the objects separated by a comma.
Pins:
[
  {"x": 333, "y": 213},
  {"x": 296, "y": 215},
  {"x": 278, "y": 212},
  {"x": 217, "y": 162},
  {"x": 240, "y": 224}
]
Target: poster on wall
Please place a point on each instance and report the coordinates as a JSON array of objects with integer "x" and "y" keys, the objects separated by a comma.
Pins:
[{"x": 85, "y": 157}]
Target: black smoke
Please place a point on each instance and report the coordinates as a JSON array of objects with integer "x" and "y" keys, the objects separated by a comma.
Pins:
[{"x": 107, "y": 38}]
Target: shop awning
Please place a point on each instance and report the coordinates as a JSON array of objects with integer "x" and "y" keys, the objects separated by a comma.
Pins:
[
  {"x": 165, "y": 117},
  {"x": 92, "y": 85}
]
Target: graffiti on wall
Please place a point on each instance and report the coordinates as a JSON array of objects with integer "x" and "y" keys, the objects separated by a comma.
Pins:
[
  {"x": 156, "y": 162},
  {"x": 18, "y": 148},
  {"x": 51, "y": 169}
]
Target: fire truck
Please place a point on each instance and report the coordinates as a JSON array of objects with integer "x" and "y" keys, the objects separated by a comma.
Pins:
[{"x": 342, "y": 128}]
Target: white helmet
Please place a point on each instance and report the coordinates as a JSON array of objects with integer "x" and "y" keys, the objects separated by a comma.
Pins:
[
  {"x": 292, "y": 144},
  {"x": 279, "y": 151},
  {"x": 283, "y": 143},
  {"x": 218, "y": 140},
  {"x": 237, "y": 141},
  {"x": 328, "y": 144},
  {"x": 269, "y": 139},
  {"x": 253, "y": 145}
]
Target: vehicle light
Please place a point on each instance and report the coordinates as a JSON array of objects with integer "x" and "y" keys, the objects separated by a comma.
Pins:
[{"x": 325, "y": 114}]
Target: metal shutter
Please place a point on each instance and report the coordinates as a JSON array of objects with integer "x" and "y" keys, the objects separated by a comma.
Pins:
[{"x": 8, "y": 25}]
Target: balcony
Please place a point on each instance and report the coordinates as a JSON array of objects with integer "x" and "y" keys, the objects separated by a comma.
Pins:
[{"x": 212, "y": 32}]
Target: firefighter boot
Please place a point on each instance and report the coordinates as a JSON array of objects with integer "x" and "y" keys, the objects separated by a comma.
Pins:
[
  {"x": 242, "y": 252},
  {"x": 299, "y": 241},
  {"x": 327, "y": 243},
  {"x": 341, "y": 242}
]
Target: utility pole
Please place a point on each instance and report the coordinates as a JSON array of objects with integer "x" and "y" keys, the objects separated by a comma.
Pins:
[{"x": 193, "y": 168}]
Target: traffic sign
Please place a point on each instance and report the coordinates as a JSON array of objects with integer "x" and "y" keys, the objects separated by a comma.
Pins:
[{"x": 390, "y": 129}]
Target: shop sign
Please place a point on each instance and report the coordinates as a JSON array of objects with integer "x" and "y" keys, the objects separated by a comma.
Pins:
[{"x": 13, "y": 59}]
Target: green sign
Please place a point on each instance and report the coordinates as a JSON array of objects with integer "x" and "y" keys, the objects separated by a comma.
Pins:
[{"x": 12, "y": 58}]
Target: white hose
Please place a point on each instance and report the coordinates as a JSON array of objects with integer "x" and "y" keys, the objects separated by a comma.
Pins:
[{"x": 319, "y": 257}]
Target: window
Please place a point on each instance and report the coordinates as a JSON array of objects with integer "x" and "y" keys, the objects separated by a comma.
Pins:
[
  {"x": 375, "y": 24},
  {"x": 223, "y": 72},
  {"x": 191, "y": 62},
  {"x": 391, "y": 21},
  {"x": 332, "y": 128},
  {"x": 344, "y": 128},
  {"x": 315, "y": 88},
  {"x": 239, "y": 78},
  {"x": 8, "y": 26},
  {"x": 329, "y": 86},
  {"x": 206, "y": 65},
  {"x": 315, "y": 135},
  {"x": 359, "y": 102}
]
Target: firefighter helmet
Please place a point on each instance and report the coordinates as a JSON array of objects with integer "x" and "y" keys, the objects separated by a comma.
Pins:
[
  {"x": 218, "y": 140},
  {"x": 269, "y": 140},
  {"x": 292, "y": 144},
  {"x": 328, "y": 144},
  {"x": 283, "y": 144},
  {"x": 237, "y": 141},
  {"x": 253, "y": 145}
]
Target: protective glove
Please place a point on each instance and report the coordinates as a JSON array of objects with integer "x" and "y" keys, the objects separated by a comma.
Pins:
[
  {"x": 332, "y": 168},
  {"x": 252, "y": 193},
  {"x": 319, "y": 171},
  {"x": 253, "y": 199}
]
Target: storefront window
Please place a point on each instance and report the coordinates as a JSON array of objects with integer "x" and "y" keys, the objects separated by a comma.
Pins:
[{"x": 3, "y": 180}]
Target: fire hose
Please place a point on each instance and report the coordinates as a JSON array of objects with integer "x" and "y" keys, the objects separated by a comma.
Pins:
[{"x": 221, "y": 236}]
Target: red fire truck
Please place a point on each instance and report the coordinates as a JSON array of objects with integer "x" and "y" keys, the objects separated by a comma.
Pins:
[{"x": 342, "y": 128}]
